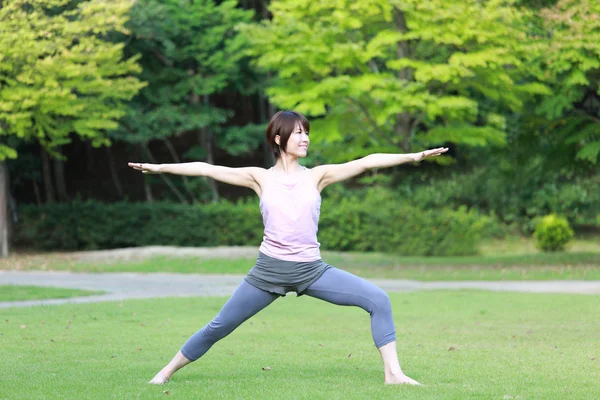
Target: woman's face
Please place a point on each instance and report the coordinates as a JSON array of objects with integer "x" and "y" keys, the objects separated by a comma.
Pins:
[{"x": 298, "y": 142}]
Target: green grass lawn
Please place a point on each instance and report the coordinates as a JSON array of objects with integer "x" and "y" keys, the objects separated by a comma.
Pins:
[
  {"x": 14, "y": 292},
  {"x": 460, "y": 345},
  {"x": 510, "y": 259},
  {"x": 540, "y": 267}
]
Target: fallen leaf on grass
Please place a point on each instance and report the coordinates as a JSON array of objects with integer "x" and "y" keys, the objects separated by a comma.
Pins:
[
  {"x": 166, "y": 392},
  {"x": 349, "y": 354},
  {"x": 452, "y": 348},
  {"x": 139, "y": 349},
  {"x": 321, "y": 345},
  {"x": 266, "y": 368},
  {"x": 593, "y": 358},
  {"x": 23, "y": 326}
]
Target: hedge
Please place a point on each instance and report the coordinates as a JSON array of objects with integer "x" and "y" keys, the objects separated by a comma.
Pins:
[{"x": 374, "y": 223}]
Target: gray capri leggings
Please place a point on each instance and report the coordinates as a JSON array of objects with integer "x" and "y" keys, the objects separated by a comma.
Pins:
[{"x": 334, "y": 286}]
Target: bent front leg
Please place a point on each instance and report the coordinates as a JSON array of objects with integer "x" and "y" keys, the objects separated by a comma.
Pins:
[{"x": 343, "y": 288}]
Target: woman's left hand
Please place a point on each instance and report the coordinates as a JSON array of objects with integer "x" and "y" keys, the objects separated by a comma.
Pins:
[{"x": 430, "y": 153}]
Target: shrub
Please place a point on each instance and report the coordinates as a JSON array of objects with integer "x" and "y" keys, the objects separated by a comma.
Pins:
[
  {"x": 376, "y": 220},
  {"x": 93, "y": 225},
  {"x": 515, "y": 201},
  {"x": 552, "y": 233}
]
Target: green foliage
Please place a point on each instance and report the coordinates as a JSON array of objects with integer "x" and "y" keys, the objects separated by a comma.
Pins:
[
  {"x": 379, "y": 222},
  {"x": 552, "y": 233},
  {"x": 515, "y": 194},
  {"x": 58, "y": 72},
  {"x": 93, "y": 225},
  {"x": 383, "y": 222},
  {"x": 394, "y": 73},
  {"x": 190, "y": 52},
  {"x": 568, "y": 58}
]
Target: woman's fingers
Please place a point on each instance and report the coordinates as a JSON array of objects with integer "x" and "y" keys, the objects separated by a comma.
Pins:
[
  {"x": 435, "y": 152},
  {"x": 145, "y": 168},
  {"x": 138, "y": 167}
]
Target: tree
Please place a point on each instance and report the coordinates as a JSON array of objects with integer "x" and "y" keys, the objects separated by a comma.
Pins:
[
  {"x": 59, "y": 75},
  {"x": 191, "y": 53},
  {"x": 568, "y": 56},
  {"x": 384, "y": 74}
]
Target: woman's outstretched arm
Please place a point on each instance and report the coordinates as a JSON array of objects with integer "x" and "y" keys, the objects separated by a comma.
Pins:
[
  {"x": 333, "y": 173},
  {"x": 246, "y": 176}
]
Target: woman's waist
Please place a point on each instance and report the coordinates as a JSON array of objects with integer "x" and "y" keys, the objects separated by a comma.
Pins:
[
  {"x": 271, "y": 251},
  {"x": 267, "y": 261}
]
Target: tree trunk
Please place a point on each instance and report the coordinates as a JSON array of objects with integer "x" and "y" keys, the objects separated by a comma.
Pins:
[
  {"x": 402, "y": 128},
  {"x": 113, "y": 173},
  {"x": 12, "y": 215},
  {"x": 90, "y": 160},
  {"x": 59, "y": 178},
  {"x": 148, "y": 191},
  {"x": 147, "y": 188},
  {"x": 265, "y": 8},
  {"x": 47, "y": 177},
  {"x": 165, "y": 178},
  {"x": 210, "y": 157},
  {"x": 265, "y": 116},
  {"x": 3, "y": 210},
  {"x": 403, "y": 124},
  {"x": 36, "y": 191},
  {"x": 206, "y": 141}
]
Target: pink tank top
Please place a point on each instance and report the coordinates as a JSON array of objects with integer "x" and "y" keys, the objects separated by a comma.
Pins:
[{"x": 290, "y": 207}]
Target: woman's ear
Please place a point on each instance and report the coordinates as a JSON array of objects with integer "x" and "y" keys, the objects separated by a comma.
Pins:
[{"x": 278, "y": 140}]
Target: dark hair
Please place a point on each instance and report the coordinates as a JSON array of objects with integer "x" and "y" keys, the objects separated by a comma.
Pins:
[{"x": 282, "y": 124}]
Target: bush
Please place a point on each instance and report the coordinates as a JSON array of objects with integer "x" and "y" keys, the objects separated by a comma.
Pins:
[
  {"x": 92, "y": 225},
  {"x": 376, "y": 220},
  {"x": 552, "y": 233},
  {"x": 516, "y": 199}
]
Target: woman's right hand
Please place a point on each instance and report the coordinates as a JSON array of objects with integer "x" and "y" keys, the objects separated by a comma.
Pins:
[{"x": 146, "y": 168}]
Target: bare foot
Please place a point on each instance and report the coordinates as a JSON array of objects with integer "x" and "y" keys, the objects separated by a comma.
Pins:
[
  {"x": 400, "y": 379},
  {"x": 159, "y": 379}
]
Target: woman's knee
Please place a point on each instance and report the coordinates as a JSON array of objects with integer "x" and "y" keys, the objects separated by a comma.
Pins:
[
  {"x": 381, "y": 300},
  {"x": 218, "y": 329}
]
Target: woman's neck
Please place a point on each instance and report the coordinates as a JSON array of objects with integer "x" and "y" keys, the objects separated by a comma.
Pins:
[{"x": 287, "y": 164}]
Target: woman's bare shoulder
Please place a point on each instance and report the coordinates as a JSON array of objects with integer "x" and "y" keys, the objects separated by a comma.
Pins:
[{"x": 259, "y": 174}]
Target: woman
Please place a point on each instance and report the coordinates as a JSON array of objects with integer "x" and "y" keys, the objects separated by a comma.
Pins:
[{"x": 289, "y": 257}]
